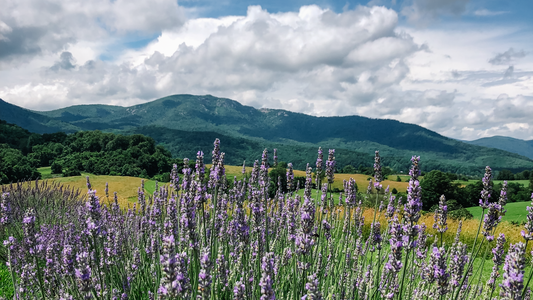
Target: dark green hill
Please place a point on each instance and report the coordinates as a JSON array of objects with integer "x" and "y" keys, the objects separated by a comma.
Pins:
[
  {"x": 32, "y": 121},
  {"x": 510, "y": 144},
  {"x": 194, "y": 118}
]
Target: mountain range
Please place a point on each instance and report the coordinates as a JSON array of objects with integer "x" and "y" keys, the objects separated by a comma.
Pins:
[
  {"x": 188, "y": 123},
  {"x": 506, "y": 143}
]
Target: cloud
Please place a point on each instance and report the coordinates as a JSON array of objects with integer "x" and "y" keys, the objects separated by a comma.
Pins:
[
  {"x": 30, "y": 28},
  {"x": 312, "y": 57},
  {"x": 424, "y": 12},
  {"x": 488, "y": 13},
  {"x": 66, "y": 62},
  {"x": 507, "y": 57},
  {"x": 313, "y": 60},
  {"x": 509, "y": 72}
]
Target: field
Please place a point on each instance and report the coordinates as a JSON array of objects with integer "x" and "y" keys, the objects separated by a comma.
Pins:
[
  {"x": 237, "y": 243},
  {"x": 126, "y": 187},
  {"x": 516, "y": 212},
  {"x": 525, "y": 183}
]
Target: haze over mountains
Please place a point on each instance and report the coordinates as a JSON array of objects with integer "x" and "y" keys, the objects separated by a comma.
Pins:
[{"x": 187, "y": 123}]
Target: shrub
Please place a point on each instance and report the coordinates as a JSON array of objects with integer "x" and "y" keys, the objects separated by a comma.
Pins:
[{"x": 56, "y": 168}]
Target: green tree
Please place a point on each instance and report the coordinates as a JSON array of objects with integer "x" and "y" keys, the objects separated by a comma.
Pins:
[
  {"x": 56, "y": 168},
  {"x": 435, "y": 184}
]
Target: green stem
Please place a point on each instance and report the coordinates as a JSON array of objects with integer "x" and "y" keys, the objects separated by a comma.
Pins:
[
  {"x": 404, "y": 272},
  {"x": 471, "y": 260}
]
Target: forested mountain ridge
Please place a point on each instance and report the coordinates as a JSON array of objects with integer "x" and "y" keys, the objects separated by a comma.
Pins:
[
  {"x": 180, "y": 114},
  {"x": 518, "y": 146}
]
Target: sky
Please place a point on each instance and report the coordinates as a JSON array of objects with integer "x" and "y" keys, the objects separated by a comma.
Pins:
[{"x": 463, "y": 68}]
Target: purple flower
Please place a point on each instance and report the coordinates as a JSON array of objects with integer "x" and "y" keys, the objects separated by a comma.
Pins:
[
  {"x": 313, "y": 292},
  {"x": 487, "y": 188},
  {"x": 378, "y": 176},
  {"x": 498, "y": 260},
  {"x": 239, "y": 290},
  {"x": 275, "y": 157},
  {"x": 267, "y": 277},
  {"x": 491, "y": 220},
  {"x": 375, "y": 236},
  {"x": 204, "y": 277},
  {"x": 396, "y": 245},
  {"x": 319, "y": 161},
  {"x": 503, "y": 198},
  {"x": 350, "y": 188},
  {"x": 290, "y": 177},
  {"x": 414, "y": 203},
  {"x": 528, "y": 234},
  {"x": 513, "y": 272},
  {"x": 83, "y": 273},
  {"x": 441, "y": 216},
  {"x": 438, "y": 256},
  {"x": 5, "y": 209},
  {"x": 330, "y": 166},
  {"x": 175, "y": 178},
  {"x": 391, "y": 208}
]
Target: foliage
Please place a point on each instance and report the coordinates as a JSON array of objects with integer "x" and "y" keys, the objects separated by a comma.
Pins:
[{"x": 14, "y": 166}]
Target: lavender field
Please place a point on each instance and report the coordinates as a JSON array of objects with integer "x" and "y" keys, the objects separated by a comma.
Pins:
[{"x": 200, "y": 238}]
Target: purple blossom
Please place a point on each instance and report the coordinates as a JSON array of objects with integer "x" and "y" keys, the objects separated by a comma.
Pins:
[
  {"x": 441, "y": 216},
  {"x": 267, "y": 277},
  {"x": 319, "y": 161},
  {"x": 498, "y": 259},
  {"x": 5, "y": 209},
  {"x": 487, "y": 188},
  {"x": 414, "y": 203},
  {"x": 204, "y": 277},
  {"x": 378, "y": 176},
  {"x": 375, "y": 236},
  {"x": 513, "y": 272},
  {"x": 528, "y": 234},
  {"x": 440, "y": 273},
  {"x": 350, "y": 188},
  {"x": 491, "y": 220},
  {"x": 330, "y": 166},
  {"x": 503, "y": 198},
  {"x": 290, "y": 177}
]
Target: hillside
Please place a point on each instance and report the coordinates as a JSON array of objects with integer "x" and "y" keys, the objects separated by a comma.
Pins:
[
  {"x": 510, "y": 144},
  {"x": 259, "y": 128}
]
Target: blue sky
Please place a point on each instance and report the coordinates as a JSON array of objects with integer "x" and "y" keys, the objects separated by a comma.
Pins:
[{"x": 463, "y": 68}]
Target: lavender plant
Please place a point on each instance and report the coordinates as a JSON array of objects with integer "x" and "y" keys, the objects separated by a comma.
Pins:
[{"x": 202, "y": 239}]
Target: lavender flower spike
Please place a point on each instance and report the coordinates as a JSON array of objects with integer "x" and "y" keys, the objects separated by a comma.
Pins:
[
  {"x": 330, "y": 166},
  {"x": 414, "y": 203},
  {"x": 378, "y": 176},
  {"x": 441, "y": 216},
  {"x": 487, "y": 188},
  {"x": 491, "y": 220},
  {"x": 503, "y": 198},
  {"x": 5, "y": 209},
  {"x": 319, "y": 161},
  {"x": 513, "y": 273},
  {"x": 267, "y": 277},
  {"x": 528, "y": 234}
]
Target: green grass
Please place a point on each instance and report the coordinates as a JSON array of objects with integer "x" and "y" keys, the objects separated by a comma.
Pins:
[
  {"x": 46, "y": 173},
  {"x": 525, "y": 183},
  {"x": 515, "y": 211},
  {"x": 6, "y": 284}
]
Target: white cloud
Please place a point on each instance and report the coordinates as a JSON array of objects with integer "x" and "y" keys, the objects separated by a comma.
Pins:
[
  {"x": 454, "y": 80},
  {"x": 424, "y": 12},
  {"x": 488, "y": 13}
]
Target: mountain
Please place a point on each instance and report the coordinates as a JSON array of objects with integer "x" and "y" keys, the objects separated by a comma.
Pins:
[
  {"x": 510, "y": 144},
  {"x": 171, "y": 118},
  {"x": 32, "y": 121}
]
